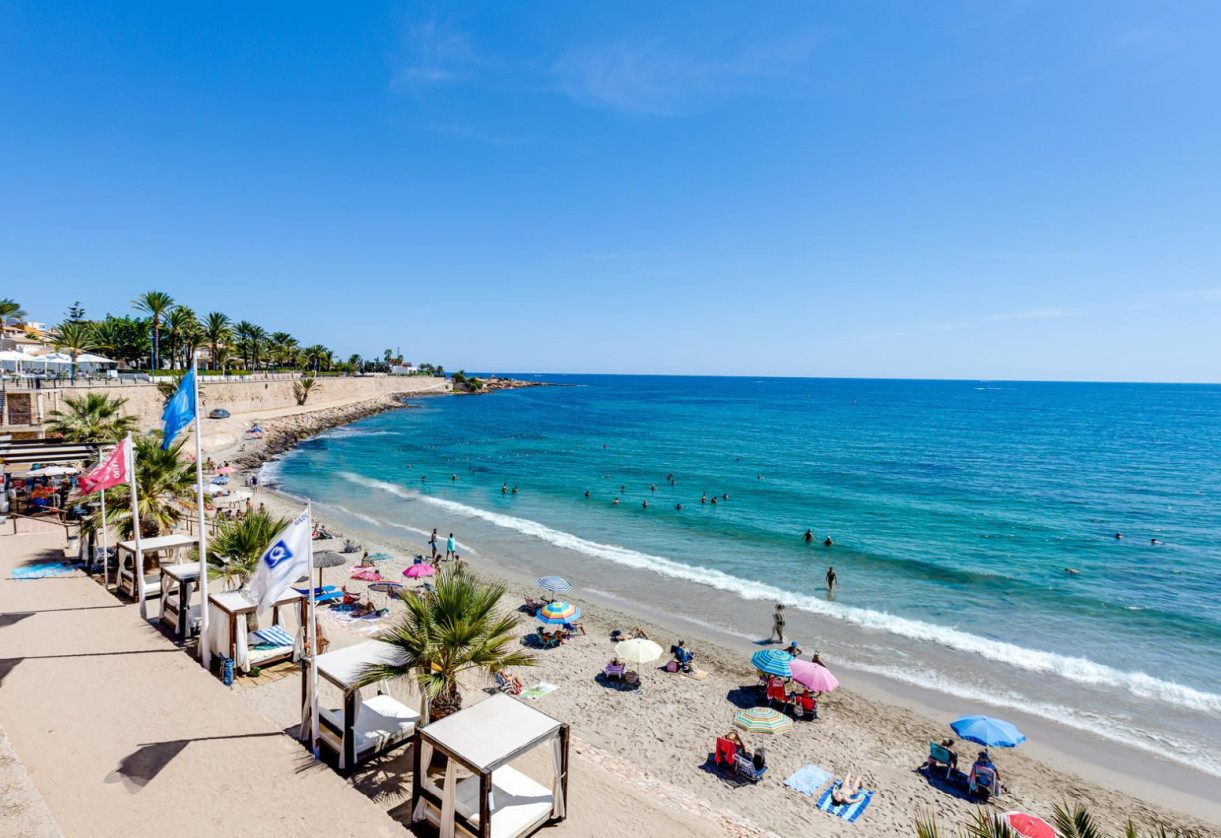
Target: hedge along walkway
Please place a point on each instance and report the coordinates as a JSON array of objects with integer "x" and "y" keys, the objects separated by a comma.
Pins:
[{"x": 120, "y": 731}]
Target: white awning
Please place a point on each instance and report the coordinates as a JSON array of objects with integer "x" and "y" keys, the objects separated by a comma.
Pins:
[
  {"x": 343, "y": 667},
  {"x": 182, "y": 572},
  {"x": 161, "y": 542},
  {"x": 492, "y": 732}
]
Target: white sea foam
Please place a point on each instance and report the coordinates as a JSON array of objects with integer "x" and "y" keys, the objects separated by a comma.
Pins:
[
  {"x": 344, "y": 432},
  {"x": 1077, "y": 669}
]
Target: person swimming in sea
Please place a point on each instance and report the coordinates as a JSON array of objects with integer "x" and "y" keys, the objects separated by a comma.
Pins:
[
  {"x": 615, "y": 502},
  {"x": 828, "y": 542},
  {"x": 808, "y": 538},
  {"x": 704, "y": 498},
  {"x": 515, "y": 490},
  {"x": 725, "y": 496},
  {"x": 645, "y": 504},
  {"x": 653, "y": 488},
  {"x": 587, "y": 493},
  {"x": 453, "y": 477},
  {"x": 678, "y": 507},
  {"x": 714, "y": 500},
  {"x": 504, "y": 488}
]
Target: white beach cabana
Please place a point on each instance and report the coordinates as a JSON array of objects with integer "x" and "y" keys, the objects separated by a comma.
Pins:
[
  {"x": 363, "y": 727},
  {"x": 229, "y": 629},
  {"x": 178, "y": 583},
  {"x": 136, "y": 585},
  {"x": 497, "y": 800}
]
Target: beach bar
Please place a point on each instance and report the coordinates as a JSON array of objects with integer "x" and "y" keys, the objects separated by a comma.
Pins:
[
  {"x": 362, "y": 728},
  {"x": 136, "y": 585},
  {"x": 229, "y": 631},
  {"x": 177, "y": 585},
  {"x": 496, "y": 800}
]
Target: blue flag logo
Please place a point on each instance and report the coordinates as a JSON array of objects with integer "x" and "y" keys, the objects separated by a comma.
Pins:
[
  {"x": 179, "y": 411},
  {"x": 278, "y": 553}
]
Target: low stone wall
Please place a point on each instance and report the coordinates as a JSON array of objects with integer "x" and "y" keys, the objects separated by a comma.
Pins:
[{"x": 254, "y": 395}]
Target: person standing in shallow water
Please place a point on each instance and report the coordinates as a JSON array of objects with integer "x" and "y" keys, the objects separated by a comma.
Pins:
[
  {"x": 778, "y": 623},
  {"x": 830, "y": 580},
  {"x": 808, "y": 538}
]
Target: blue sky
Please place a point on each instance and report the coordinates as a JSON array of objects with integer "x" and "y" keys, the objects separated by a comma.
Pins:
[{"x": 962, "y": 190}]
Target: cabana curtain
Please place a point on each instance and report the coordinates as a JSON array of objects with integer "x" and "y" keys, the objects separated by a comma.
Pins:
[
  {"x": 448, "y": 798},
  {"x": 557, "y": 785}
]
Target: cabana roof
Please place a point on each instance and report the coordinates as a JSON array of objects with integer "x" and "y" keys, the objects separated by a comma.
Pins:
[
  {"x": 236, "y": 602},
  {"x": 492, "y": 732},
  {"x": 343, "y": 667},
  {"x": 161, "y": 542},
  {"x": 182, "y": 572}
]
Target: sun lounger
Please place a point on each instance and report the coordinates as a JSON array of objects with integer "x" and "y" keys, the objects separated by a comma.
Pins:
[
  {"x": 505, "y": 685},
  {"x": 745, "y": 769},
  {"x": 615, "y": 670},
  {"x": 327, "y": 593}
]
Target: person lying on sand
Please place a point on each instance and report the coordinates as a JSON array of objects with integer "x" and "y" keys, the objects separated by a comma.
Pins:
[{"x": 847, "y": 792}]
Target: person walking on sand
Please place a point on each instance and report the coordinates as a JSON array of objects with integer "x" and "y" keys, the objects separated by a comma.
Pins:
[
  {"x": 432, "y": 542},
  {"x": 778, "y": 623},
  {"x": 449, "y": 547},
  {"x": 830, "y": 580}
]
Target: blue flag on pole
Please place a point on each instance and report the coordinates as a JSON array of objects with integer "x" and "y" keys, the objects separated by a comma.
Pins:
[{"x": 179, "y": 411}]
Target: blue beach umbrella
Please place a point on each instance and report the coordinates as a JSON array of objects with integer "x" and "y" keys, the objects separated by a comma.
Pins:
[
  {"x": 220, "y": 481},
  {"x": 773, "y": 662},
  {"x": 554, "y": 584},
  {"x": 987, "y": 731}
]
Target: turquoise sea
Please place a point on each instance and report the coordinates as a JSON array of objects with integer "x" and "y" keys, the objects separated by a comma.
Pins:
[{"x": 955, "y": 508}]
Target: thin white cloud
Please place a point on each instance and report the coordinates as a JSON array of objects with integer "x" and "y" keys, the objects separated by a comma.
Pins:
[
  {"x": 1032, "y": 314},
  {"x": 433, "y": 54},
  {"x": 659, "y": 78}
]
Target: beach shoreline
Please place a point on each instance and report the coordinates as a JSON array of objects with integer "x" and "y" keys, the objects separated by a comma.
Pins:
[{"x": 1114, "y": 792}]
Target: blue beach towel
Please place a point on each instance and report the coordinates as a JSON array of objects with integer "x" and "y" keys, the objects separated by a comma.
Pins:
[
  {"x": 275, "y": 636},
  {"x": 807, "y": 780},
  {"x": 848, "y": 813},
  {"x": 44, "y": 571}
]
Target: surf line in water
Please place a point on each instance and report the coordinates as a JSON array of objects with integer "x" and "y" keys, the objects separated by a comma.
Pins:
[
  {"x": 378, "y": 522},
  {"x": 1080, "y": 670}
]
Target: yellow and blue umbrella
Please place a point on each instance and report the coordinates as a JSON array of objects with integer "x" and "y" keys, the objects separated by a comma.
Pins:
[
  {"x": 773, "y": 662},
  {"x": 762, "y": 720},
  {"x": 558, "y": 612}
]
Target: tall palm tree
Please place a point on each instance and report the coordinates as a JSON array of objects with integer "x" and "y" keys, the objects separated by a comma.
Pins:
[
  {"x": 282, "y": 346},
  {"x": 77, "y": 338},
  {"x": 258, "y": 340},
  {"x": 218, "y": 331},
  {"x": 166, "y": 483},
  {"x": 314, "y": 356},
  {"x": 156, "y": 304},
  {"x": 93, "y": 417},
  {"x": 446, "y": 635},
  {"x": 177, "y": 322},
  {"x": 10, "y": 309},
  {"x": 243, "y": 333},
  {"x": 235, "y": 550},
  {"x": 192, "y": 336}
]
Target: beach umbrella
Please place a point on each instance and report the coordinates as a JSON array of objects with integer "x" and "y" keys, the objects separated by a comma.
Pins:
[
  {"x": 220, "y": 481},
  {"x": 638, "y": 650},
  {"x": 1028, "y": 826},
  {"x": 813, "y": 676},
  {"x": 558, "y": 612},
  {"x": 762, "y": 720},
  {"x": 554, "y": 584},
  {"x": 419, "y": 570},
  {"x": 987, "y": 731},
  {"x": 327, "y": 558},
  {"x": 773, "y": 662},
  {"x": 51, "y": 471},
  {"x": 225, "y": 470}
]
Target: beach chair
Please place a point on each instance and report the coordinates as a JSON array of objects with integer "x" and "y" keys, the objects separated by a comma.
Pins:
[
  {"x": 350, "y": 598},
  {"x": 982, "y": 783},
  {"x": 533, "y": 606},
  {"x": 505, "y": 685},
  {"x": 726, "y": 754},
  {"x": 775, "y": 692},
  {"x": 938, "y": 756},
  {"x": 549, "y": 641},
  {"x": 614, "y": 671},
  {"x": 745, "y": 769},
  {"x": 805, "y": 706}
]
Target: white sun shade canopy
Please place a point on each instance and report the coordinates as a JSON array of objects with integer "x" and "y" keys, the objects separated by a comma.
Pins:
[
  {"x": 343, "y": 667},
  {"x": 492, "y": 732}
]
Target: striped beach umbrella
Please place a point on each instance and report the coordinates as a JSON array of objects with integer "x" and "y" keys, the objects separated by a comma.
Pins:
[
  {"x": 558, "y": 612},
  {"x": 762, "y": 720},
  {"x": 554, "y": 584},
  {"x": 773, "y": 662}
]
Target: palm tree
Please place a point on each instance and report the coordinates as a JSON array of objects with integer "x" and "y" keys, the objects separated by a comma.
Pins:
[
  {"x": 243, "y": 332},
  {"x": 155, "y": 304},
  {"x": 241, "y": 544},
  {"x": 10, "y": 309},
  {"x": 283, "y": 345},
  {"x": 315, "y": 355},
  {"x": 302, "y": 388},
  {"x": 166, "y": 481},
  {"x": 93, "y": 417},
  {"x": 77, "y": 338},
  {"x": 258, "y": 339},
  {"x": 218, "y": 331},
  {"x": 192, "y": 336},
  {"x": 445, "y": 635},
  {"x": 178, "y": 321}
]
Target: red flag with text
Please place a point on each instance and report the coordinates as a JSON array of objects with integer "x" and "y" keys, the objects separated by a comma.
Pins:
[{"x": 110, "y": 472}]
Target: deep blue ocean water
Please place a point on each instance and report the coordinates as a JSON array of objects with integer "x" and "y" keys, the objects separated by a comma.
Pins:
[{"x": 955, "y": 508}]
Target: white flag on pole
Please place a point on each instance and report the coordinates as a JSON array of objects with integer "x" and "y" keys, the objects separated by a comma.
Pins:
[{"x": 286, "y": 560}]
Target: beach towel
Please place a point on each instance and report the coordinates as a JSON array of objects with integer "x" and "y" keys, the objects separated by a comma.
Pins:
[
  {"x": 697, "y": 674},
  {"x": 273, "y": 635},
  {"x": 44, "y": 571},
  {"x": 538, "y": 691},
  {"x": 849, "y": 813},
  {"x": 807, "y": 780}
]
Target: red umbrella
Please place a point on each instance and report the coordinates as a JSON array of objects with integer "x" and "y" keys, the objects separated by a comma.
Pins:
[{"x": 1029, "y": 826}]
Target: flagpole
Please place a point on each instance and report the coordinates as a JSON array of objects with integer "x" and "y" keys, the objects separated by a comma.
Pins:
[
  {"x": 138, "y": 562},
  {"x": 205, "y": 654},
  {"x": 313, "y": 634},
  {"x": 105, "y": 550}
]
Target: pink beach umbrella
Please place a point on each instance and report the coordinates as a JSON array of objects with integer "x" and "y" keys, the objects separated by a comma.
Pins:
[
  {"x": 1028, "y": 825},
  {"x": 418, "y": 571},
  {"x": 813, "y": 676},
  {"x": 225, "y": 470}
]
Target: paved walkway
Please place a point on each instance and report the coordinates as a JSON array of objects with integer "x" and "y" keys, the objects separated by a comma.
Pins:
[{"x": 121, "y": 732}]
